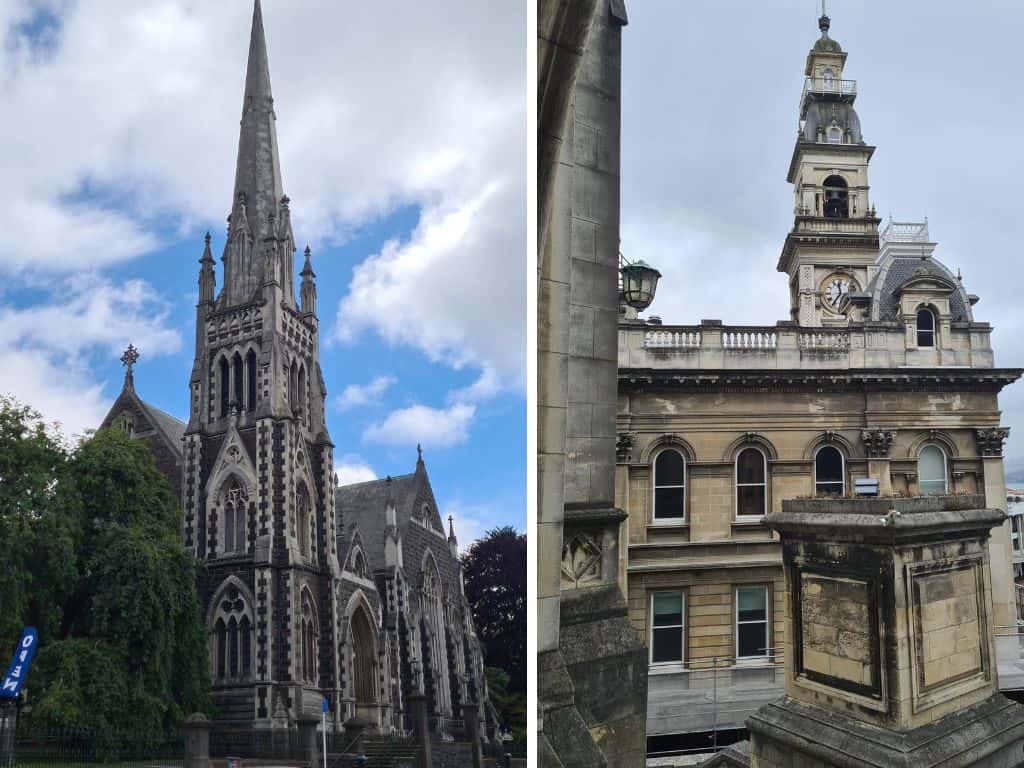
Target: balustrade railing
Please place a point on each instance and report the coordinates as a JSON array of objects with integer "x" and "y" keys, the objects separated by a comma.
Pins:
[
  {"x": 829, "y": 85},
  {"x": 672, "y": 339},
  {"x": 824, "y": 341},
  {"x": 749, "y": 339}
]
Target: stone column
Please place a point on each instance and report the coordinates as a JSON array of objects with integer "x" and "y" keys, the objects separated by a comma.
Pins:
[
  {"x": 196, "y": 729},
  {"x": 418, "y": 711},
  {"x": 308, "y": 738},
  {"x": 471, "y": 717},
  {"x": 989, "y": 443}
]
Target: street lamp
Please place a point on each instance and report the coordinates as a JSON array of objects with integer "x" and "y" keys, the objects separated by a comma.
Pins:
[{"x": 639, "y": 283}]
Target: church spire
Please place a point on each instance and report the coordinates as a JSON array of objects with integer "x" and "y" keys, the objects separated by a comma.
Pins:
[{"x": 250, "y": 259}]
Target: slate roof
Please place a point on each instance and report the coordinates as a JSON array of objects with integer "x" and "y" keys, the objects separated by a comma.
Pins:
[
  {"x": 174, "y": 428},
  {"x": 896, "y": 271},
  {"x": 364, "y": 504}
]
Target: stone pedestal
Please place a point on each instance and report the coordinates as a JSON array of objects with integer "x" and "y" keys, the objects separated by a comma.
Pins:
[
  {"x": 354, "y": 730},
  {"x": 196, "y": 731},
  {"x": 418, "y": 711},
  {"x": 309, "y": 739},
  {"x": 471, "y": 717},
  {"x": 890, "y": 654}
]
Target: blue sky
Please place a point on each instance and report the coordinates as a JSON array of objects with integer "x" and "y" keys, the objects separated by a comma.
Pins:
[{"x": 406, "y": 178}]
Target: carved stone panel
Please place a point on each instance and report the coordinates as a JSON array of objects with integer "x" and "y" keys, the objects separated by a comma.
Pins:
[{"x": 581, "y": 560}]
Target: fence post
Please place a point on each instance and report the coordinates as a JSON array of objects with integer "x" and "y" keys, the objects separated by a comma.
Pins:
[
  {"x": 307, "y": 738},
  {"x": 418, "y": 709},
  {"x": 471, "y": 718},
  {"x": 196, "y": 730},
  {"x": 8, "y": 729}
]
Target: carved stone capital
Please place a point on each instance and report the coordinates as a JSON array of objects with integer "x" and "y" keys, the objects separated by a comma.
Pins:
[
  {"x": 990, "y": 440},
  {"x": 877, "y": 442},
  {"x": 624, "y": 446}
]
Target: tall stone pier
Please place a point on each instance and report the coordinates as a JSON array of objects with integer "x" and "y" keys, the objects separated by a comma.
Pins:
[{"x": 890, "y": 652}]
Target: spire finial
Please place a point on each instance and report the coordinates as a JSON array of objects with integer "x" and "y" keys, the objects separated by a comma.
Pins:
[
  {"x": 207, "y": 238},
  {"x": 128, "y": 360},
  {"x": 824, "y": 21},
  {"x": 419, "y": 454},
  {"x": 451, "y": 527}
]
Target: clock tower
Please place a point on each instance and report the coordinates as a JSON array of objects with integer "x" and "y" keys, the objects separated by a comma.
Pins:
[{"x": 830, "y": 253}]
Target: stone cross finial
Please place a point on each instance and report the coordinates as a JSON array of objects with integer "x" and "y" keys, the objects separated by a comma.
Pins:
[
  {"x": 419, "y": 452},
  {"x": 128, "y": 359}
]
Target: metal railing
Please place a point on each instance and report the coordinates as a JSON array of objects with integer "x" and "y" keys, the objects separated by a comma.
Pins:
[{"x": 828, "y": 85}]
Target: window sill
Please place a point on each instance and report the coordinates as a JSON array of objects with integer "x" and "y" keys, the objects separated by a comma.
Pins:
[
  {"x": 666, "y": 668},
  {"x": 749, "y": 521},
  {"x": 669, "y": 522}
]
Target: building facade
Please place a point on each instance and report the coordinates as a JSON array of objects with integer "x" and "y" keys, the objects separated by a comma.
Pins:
[
  {"x": 881, "y": 380},
  {"x": 308, "y": 590}
]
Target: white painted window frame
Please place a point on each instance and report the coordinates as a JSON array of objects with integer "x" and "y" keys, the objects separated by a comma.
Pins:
[
  {"x": 945, "y": 466},
  {"x": 842, "y": 460},
  {"x": 680, "y": 664},
  {"x": 655, "y": 520},
  {"x": 740, "y": 660},
  {"x": 736, "y": 484}
]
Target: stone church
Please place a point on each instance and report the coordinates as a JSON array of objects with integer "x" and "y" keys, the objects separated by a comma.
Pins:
[
  {"x": 310, "y": 590},
  {"x": 881, "y": 380}
]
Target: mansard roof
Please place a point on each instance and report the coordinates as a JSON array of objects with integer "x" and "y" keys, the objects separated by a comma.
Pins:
[{"x": 895, "y": 272}]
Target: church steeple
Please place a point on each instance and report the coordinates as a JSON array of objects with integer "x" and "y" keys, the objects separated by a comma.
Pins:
[
  {"x": 830, "y": 253},
  {"x": 260, "y": 245}
]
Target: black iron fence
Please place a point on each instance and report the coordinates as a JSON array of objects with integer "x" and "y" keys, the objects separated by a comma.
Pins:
[{"x": 53, "y": 747}]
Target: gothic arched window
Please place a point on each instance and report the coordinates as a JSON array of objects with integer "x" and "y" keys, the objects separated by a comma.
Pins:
[
  {"x": 302, "y": 519},
  {"x": 434, "y": 619},
  {"x": 250, "y": 377},
  {"x": 224, "y": 385},
  {"x": 301, "y": 399},
  {"x": 925, "y": 328},
  {"x": 309, "y": 639},
  {"x": 239, "y": 388},
  {"x": 829, "y": 472},
  {"x": 235, "y": 504},
  {"x": 231, "y": 637},
  {"x": 751, "y": 483}
]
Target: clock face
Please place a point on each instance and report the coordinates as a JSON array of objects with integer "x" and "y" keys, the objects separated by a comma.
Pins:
[{"x": 835, "y": 291}]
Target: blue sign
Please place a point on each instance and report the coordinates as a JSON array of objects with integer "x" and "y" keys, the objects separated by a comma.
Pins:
[
  {"x": 18, "y": 669},
  {"x": 323, "y": 705}
]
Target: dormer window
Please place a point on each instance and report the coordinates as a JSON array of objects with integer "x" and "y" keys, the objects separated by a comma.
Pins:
[
  {"x": 835, "y": 135},
  {"x": 836, "y": 203},
  {"x": 925, "y": 328}
]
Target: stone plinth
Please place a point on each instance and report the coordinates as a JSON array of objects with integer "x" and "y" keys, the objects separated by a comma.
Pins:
[{"x": 890, "y": 654}]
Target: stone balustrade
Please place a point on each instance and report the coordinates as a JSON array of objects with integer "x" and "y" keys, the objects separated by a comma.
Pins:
[{"x": 712, "y": 345}]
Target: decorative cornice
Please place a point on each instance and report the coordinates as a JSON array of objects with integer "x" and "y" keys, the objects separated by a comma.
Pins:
[
  {"x": 877, "y": 442},
  {"x": 792, "y": 380},
  {"x": 990, "y": 440}
]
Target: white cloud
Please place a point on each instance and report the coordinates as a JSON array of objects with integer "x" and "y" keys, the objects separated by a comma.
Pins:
[
  {"x": 62, "y": 393},
  {"x": 364, "y": 394},
  {"x": 432, "y": 427},
  {"x": 45, "y": 346},
  {"x": 130, "y": 130},
  {"x": 352, "y": 469}
]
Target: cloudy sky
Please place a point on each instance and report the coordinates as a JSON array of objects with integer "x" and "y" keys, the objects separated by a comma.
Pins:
[
  {"x": 401, "y": 127},
  {"x": 710, "y": 97}
]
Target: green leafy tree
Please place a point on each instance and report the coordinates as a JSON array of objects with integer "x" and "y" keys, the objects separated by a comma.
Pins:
[
  {"x": 39, "y": 517},
  {"x": 494, "y": 572},
  {"x": 101, "y": 572}
]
